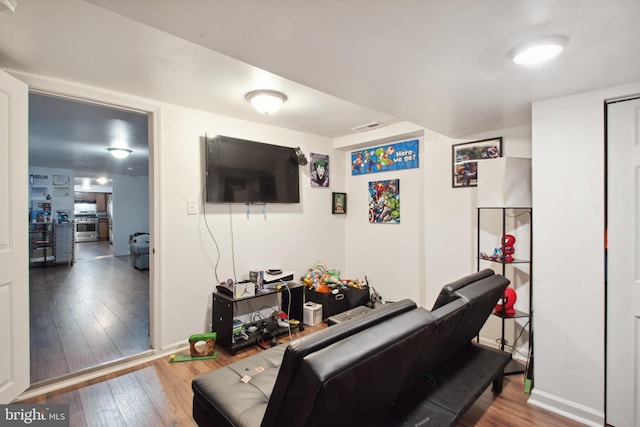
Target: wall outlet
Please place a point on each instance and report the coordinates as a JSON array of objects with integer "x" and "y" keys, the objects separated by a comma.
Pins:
[{"x": 192, "y": 207}]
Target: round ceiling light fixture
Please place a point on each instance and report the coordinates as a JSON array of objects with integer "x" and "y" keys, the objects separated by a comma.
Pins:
[
  {"x": 8, "y": 7},
  {"x": 119, "y": 153},
  {"x": 266, "y": 101},
  {"x": 538, "y": 51}
]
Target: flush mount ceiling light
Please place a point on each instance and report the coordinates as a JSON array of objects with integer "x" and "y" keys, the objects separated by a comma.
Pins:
[
  {"x": 8, "y": 7},
  {"x": 266, "y": 101},
  {"x": 102, "y": 180},
  {"x": 538, "y": 51},
  {"x": 119, "y": 153}
]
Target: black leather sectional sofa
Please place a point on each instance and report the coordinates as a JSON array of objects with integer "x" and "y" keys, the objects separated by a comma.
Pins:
[{"x": 397, "y": 365}]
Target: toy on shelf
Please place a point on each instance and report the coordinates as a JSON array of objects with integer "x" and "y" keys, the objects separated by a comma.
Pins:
[
  {"x": 507, "y": 244},
  {"x": 506, "y": 303},
  {"x": 503, "y": 253},
  {"x": 325, "y": 280}
]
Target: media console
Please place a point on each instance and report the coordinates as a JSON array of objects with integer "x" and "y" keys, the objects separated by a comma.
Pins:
[{"x": 225, "y": 306}]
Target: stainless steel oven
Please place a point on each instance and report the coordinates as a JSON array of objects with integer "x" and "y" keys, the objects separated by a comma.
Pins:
[{"x": 86, "y": 228}]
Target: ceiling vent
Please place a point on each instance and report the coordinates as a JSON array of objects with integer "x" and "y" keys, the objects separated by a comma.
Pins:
[{"x": 368, "y": 126}]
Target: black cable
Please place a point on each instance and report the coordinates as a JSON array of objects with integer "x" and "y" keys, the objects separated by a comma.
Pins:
[
  {"x": 206, "y": 223},
  {"x": 512, "y": 347},
  {"x": 233, "y": 252}
]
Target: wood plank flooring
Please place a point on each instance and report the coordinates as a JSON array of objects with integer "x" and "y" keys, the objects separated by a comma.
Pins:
[
  {"x": 159, "y": 393},
  {"x": 86, "y": 314}
]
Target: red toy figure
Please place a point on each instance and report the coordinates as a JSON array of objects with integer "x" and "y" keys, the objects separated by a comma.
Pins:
[
  {"x": 507, "y": 247},
  {"x": 507, "y": 302}
]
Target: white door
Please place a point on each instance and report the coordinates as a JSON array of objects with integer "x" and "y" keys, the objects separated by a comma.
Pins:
[
  {"x": 14, "y": 258},
  {"x": 623, "y": 264}
]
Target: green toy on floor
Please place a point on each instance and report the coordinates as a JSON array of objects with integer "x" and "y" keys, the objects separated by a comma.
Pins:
[{"x": 194, "y": 340}]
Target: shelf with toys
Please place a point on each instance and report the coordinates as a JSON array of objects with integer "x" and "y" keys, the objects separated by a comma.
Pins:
[{"x": 512, "y": 229}]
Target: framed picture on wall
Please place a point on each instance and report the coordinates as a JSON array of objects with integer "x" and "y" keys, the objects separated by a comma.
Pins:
[
  {"x": 339, "y": 204},
  {"x": 465, "y": 158}
]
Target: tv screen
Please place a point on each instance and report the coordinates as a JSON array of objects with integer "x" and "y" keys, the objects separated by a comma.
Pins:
[{"x": 243, "y": 171}]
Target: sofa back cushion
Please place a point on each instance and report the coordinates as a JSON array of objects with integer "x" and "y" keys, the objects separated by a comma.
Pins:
[
  {"x": 447, "y": 293},
  {"x": 343, "y": 380},
  {"x": 280, "y": 399},
  {"x": 461, "y": 320},
  {"x": 482, "y": 297}
]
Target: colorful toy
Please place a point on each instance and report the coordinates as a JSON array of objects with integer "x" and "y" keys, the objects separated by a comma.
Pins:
[
  {"x": 506, "y": 303},
  {"x": 503, "y": 253},
  {"x": 209, "y": 351},
  {"x": 508, "y": 250}
]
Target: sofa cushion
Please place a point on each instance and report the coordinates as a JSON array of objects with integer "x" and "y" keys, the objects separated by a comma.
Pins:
[
  {"x": 482, "y": 297},
  {"x": 461, "y": 320},
  {"x": 301, "y": 347},
  {"x": 348, "y": 383},
  {"x": 447, "y": 292},
  {"x": 222, "y": 399}
]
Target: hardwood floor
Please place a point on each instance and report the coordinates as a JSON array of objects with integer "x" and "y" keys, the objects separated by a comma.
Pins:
[
  {"x": 86, "y": 314},
  {"x": 159, "y": 393}
]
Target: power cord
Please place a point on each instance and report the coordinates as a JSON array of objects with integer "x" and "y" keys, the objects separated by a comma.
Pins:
[
  {"x": 512, "y": 348},
  {"x": 233, "y": 251},
  {"x": 215, "y": 242}
]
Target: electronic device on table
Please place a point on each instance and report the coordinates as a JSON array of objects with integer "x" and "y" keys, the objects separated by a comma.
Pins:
[{"x": 277, "y": 275}]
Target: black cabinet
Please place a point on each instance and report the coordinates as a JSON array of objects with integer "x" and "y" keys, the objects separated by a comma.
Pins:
[
  {"x": 225, "y": 309},
  {"x": 343, "y": 300},
  {"x": 492, "y": 227}
]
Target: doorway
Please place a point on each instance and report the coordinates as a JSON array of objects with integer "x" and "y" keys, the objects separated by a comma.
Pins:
[
  {"x": 92, "y": 310},
  {"x": 623, "y": 263}
]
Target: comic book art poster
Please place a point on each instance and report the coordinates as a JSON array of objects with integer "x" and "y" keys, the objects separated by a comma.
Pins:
[
  {"x": 390, "y": 157},
  {"x": 319, "y": 170},
  {"x": 384, "y": 202},
  {"x": 466, "y": 156}
]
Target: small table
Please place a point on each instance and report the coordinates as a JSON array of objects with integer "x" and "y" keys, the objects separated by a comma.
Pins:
[
  {"x": 348, "y": 315},
  {"x": 224, "y": 308}
]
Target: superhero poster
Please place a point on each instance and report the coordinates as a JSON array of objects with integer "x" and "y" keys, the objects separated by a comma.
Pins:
[
  {"x": 390, "y": 157},
  {"x": 384, "y": 202}
]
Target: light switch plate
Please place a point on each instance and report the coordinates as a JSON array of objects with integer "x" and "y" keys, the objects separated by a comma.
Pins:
[{"x": 192, "y": 207}]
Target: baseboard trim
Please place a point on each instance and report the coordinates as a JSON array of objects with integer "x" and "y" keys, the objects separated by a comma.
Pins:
[
  {"x": 566, "y": 408},
  {"x": 115, "y": 366}
]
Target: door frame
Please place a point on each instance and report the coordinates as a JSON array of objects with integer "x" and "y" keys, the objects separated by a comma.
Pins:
[
  {"x": 607, "y": 301},
  {"x": 14, "y": 276},
  {"x": 88, "y": 94}
]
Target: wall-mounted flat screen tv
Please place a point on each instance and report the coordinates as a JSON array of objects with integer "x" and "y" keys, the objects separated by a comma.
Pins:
[{"x": 243, "y": 171}]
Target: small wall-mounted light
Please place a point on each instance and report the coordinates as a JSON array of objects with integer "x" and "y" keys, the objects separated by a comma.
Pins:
[
  {"x": 538, "y": 51},
  {"x": 266, "y": 101},
  {"x": 119, "y": 153}
]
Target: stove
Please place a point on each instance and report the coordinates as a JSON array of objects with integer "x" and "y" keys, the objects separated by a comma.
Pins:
[{"x": 86, "y": 228}]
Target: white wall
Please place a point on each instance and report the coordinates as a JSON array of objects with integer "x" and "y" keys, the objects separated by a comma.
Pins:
[
  {"x": 568, "y": 200},
  {"x": 289, "y": 236},
  {"x": 389, "y": 255},
  {"x": 435, "y": 242},
  {"x": 58, "y": 201}
]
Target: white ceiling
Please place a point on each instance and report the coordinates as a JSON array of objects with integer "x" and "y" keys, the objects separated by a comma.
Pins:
[
  {"x": 439, "y": 64},
  {"x": 75, "y": 135}
]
